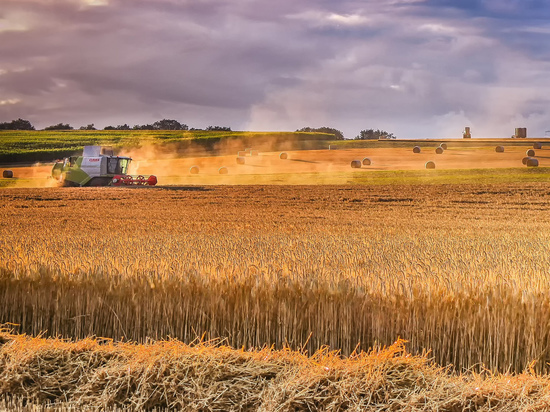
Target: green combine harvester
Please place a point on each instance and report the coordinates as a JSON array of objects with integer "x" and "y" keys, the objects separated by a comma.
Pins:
[{"x": 98, "y": 166}]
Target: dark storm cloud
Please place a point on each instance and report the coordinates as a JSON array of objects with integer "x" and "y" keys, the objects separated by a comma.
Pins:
[{"x": 277, "y": 65}]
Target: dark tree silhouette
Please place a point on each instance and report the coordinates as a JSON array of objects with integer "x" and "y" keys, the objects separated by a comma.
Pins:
[
  {"x": 218, "y": 129},
  {"x": 59, "y": 126},
  {"x": 337, "y": 133},
  {"x": 371, "y": 134},
  {"x": 18, "y": 124},
  {"x": 168, "y": 124},
  {"x": 88, "y": 127}
]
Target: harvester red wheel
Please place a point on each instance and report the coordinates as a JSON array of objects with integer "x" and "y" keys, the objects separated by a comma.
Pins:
[{"x": 117, "y": 180}]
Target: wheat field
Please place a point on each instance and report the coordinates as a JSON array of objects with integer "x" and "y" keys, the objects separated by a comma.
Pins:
[{"x": 461, "y": 270}]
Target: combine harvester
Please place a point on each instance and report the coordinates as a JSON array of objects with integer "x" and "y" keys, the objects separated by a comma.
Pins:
[{"x": 98, "y": 166}]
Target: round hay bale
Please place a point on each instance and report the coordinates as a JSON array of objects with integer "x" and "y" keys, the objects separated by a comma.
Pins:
[
  {"x": 240, "y": 160},
  {"x": 223, "y": 170},
  {"x": 499, "y": 149},
  {"x": 366, "y": 161},
  {"x": 530, "y": 153},
  {"x": 524, "y": 160},
  {"x": 416, "y": 149},
  {"x": 532, "y": 162},
  {"x": 537, "y": 145},
  {"x": 439, "y": 150},
  {"x": 356, "y": 164},
  {"x": 444, "y": 146},
  {"x": 283, "y": 156},
  {"x": 430, "y": 165},
  {"x": 194, "y": 170},
  {"x": 241, "y": 153},
  {"x": 7, "y": 174}
]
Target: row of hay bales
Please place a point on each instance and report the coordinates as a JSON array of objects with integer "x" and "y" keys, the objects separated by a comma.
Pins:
[
  {"x": 194, "y": 170},
  {"x": 439, "y": 149},
  {"x": 240, "y": 160},
  {"x": 241, "y": 155},
  {"x": 247, "y": 152},
  {"x": 536, "y": 146},
  {"x": 356, "y": 164},
  {"x": 529, "y": 160}
]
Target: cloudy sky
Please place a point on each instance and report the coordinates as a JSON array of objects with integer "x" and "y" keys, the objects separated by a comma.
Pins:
[{"x": 417, "y": 68}]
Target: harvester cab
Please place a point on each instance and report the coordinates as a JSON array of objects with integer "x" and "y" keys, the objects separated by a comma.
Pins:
[{"x": 98, "y": 166}]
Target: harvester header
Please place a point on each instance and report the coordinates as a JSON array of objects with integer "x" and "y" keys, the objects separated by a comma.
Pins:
[{"x": 98, "y": 166}]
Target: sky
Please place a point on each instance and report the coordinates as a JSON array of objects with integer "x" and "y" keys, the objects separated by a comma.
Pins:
[{"x": 415, "y": 68}]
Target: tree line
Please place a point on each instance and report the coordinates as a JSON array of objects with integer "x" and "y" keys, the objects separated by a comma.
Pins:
[
  {"x": 367, "y": 134},
  {"x": 164, "y": 124},
  {"x": 170, "y": 124}
]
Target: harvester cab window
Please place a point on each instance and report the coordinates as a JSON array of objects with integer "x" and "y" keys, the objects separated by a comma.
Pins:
[
  {"x": 116, "y": 166},
  {"x": 112, "y": 166},
  {"x": 123, "y": 165}
]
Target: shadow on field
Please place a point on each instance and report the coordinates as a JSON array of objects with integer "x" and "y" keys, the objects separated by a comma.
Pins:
[
  {"x": 305, "y": 161},
  {"x": 185, "y": 188}
]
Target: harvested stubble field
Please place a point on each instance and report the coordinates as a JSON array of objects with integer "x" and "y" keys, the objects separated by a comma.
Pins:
[{"x": 461, "y": 270}]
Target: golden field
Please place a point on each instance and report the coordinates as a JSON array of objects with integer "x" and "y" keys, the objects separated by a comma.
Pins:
[
  {"x": 284, "y": 295},
  {"x": 458, "y": 269}
]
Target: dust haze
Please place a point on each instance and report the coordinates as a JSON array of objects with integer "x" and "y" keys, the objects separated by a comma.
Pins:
[{"x": 263, "y": 165}]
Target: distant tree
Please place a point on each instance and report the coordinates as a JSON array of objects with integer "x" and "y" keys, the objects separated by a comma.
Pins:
[
  {"x": 218, "y": 129},
  {"x": 18, "y": 124},
  {"x": 119, "y": 127},
  {"x": 59, "y": 126},
  {"x": 164, "y": 124},
  {"x": 371, "y": 134},
  {"x": 168, "y": 124},
  {"x": 337, "y": 133},
  {"x": 143, "y": 127},
  {"x": 88, "y": 127}
]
